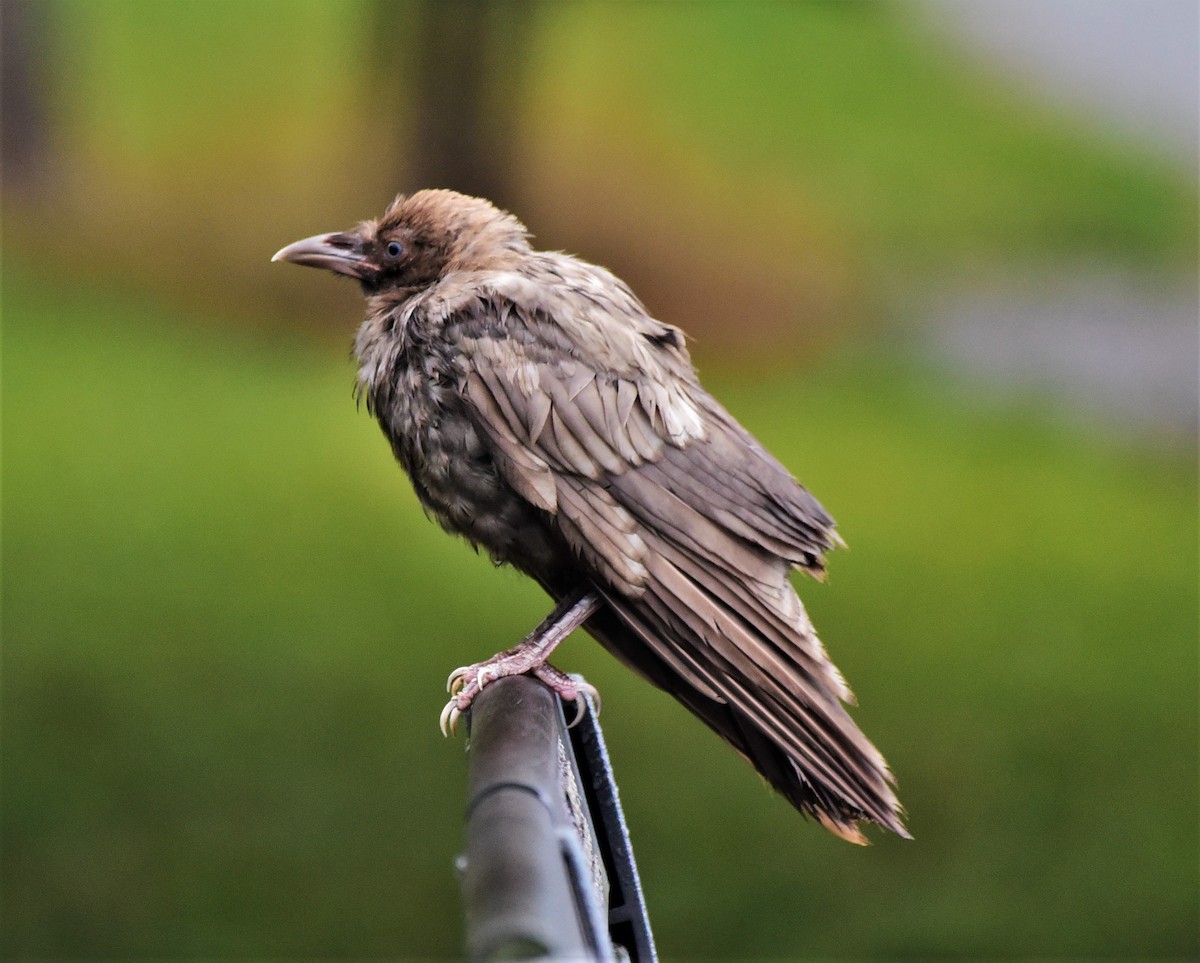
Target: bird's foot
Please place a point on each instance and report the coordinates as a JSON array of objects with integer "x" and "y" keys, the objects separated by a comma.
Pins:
[{"x": 466, "y": 682}]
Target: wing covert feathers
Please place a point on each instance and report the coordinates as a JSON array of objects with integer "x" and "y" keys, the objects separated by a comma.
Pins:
[{"x": 687, "y": 526}]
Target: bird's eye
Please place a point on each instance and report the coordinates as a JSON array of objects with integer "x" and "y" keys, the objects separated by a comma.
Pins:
[{"x": 394, "y": 249}]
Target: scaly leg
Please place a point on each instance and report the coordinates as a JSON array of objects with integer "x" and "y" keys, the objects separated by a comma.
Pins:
[{"x": 466, "y": 682}]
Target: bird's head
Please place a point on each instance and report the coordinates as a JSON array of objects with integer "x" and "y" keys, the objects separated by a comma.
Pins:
[{"x": 420, "y": 239}]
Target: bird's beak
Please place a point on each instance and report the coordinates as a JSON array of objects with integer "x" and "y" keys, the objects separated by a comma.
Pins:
[{"x": 341, "y": 253}]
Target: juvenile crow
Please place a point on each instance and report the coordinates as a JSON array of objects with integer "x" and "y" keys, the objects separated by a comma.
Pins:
[{"x": 546, "y": 417}]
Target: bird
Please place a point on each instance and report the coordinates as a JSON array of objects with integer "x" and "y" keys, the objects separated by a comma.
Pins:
[{"x": 545, "y": 416}]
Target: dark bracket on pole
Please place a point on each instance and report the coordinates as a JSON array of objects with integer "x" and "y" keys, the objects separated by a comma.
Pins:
[{"x": 548, "y": 871}]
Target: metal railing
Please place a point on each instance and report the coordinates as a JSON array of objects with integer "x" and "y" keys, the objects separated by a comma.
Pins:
[{"x": 548, "y": 871}]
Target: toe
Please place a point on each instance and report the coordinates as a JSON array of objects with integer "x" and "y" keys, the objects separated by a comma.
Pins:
[
  {"x": 448, "y": 721},
  {"x": 593, "y": 694},
  {"x": 580, "y": 712}
]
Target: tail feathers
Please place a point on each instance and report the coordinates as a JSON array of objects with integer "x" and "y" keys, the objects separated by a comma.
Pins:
[{"x": 828, "y": 773}]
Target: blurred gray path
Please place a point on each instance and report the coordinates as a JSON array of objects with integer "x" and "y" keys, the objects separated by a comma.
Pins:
[
  {"x": 1132, "y": 65},
  {"x": 1123, "y": 349}
]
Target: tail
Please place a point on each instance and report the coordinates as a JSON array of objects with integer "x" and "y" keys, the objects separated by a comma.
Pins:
[{"x": 815, "y": 757}]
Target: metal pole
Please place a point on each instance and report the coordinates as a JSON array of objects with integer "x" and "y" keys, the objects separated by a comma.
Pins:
[
  {"x": 537, "y": 865},
  {"x": 516, "y": 886}
]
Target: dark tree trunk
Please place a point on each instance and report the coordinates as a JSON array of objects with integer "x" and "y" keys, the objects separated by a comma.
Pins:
[
  {"x": 465, "y": 60},
  {"x": 24, "y": 125}
]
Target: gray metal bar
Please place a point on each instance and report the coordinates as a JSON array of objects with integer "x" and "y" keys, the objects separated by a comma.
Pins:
[{"x": 517, "y": 886}]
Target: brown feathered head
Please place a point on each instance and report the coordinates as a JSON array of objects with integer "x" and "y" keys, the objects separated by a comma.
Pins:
[{"x": 420, "y": 238}]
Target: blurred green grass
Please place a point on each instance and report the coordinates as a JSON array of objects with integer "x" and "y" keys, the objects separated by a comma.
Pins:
[
  {"x": 227, "y": 624},
  {"x": 144, "y": 80},
  {"x": 889, "y": 136}
]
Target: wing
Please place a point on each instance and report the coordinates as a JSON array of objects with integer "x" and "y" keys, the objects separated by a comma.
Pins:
[{"x": 689, "y": 528}]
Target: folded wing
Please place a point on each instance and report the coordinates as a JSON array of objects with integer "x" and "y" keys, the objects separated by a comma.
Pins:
[{"x": 690, "y": 529}]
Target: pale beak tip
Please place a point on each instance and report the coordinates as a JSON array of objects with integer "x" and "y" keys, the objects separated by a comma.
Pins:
[{"x": 334, "y": 252}]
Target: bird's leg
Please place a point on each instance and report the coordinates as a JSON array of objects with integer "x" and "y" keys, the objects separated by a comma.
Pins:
[{"x": 466, "y": 682}]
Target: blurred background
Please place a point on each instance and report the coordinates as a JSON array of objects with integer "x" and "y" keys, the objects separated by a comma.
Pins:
[{"x": 940, "y": 256}]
